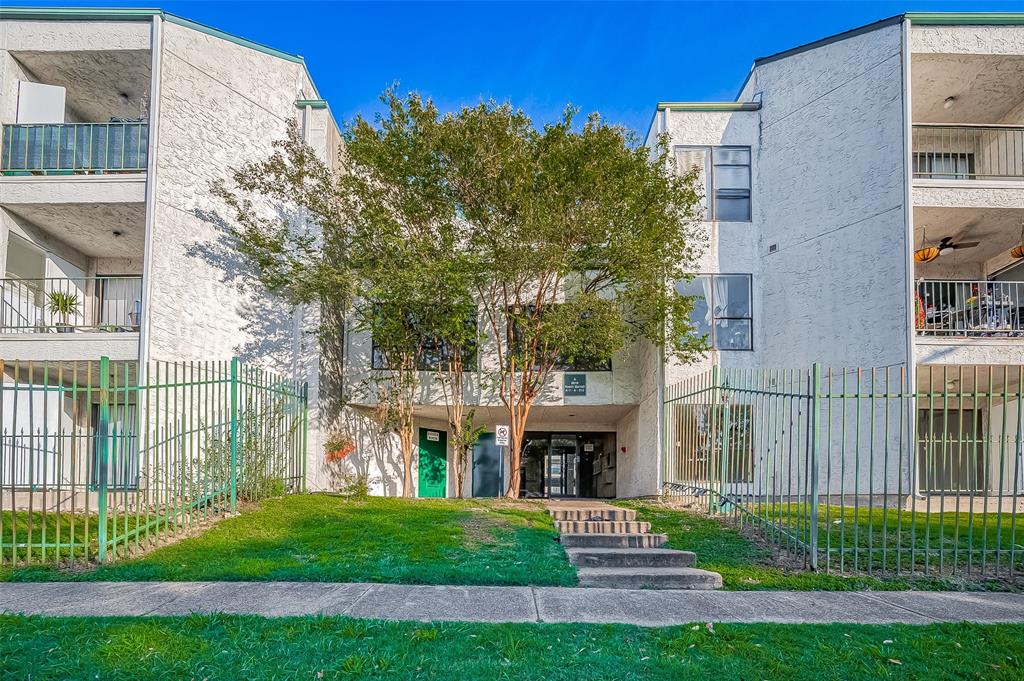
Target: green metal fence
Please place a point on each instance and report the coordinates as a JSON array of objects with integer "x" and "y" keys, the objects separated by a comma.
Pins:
[
  {"x": 859, "y": 470},
  {"x": 99, "y": 460}
]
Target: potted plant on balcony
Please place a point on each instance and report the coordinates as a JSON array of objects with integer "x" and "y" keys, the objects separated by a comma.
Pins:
[{"x": 63, "y": 304}]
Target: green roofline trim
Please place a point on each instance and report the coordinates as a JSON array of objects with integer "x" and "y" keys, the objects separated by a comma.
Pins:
[
  {"x": 95, "y": 13},
  {"x": 311, "y": 103},
  {"x": 137, "y": 14},
  {"x": 709, "y": 106},
  {"x": 965, "y": 18}
]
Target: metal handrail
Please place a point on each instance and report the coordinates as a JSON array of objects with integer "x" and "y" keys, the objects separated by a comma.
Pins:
[
  {"x": 969, "y": 309},
  {"x": 968, "y": 152},
  {"x": 111, "y": 304},
  {"x": 58, "y": 148}
]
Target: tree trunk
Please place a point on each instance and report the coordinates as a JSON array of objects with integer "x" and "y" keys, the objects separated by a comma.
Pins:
[
  {"x": 460, "y": 469},
  {"x": 517, "y": 431},
  {"x": 405, "y": 438}
]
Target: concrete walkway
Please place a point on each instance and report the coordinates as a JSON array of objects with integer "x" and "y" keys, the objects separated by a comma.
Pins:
[{"x": 506, "y": 604}]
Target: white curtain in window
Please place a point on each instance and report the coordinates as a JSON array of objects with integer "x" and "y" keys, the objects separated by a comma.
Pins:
[
  {"x": 722, "y": 297},
  {"x": 687, "y": 158},
  {"x": 706, "y": 284}
]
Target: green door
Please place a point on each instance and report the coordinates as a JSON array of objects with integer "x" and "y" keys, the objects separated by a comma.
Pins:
[{"x": 433, "y": 462}]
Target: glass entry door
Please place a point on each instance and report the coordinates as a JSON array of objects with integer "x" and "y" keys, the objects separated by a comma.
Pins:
[{"x": 562, "y": 459}]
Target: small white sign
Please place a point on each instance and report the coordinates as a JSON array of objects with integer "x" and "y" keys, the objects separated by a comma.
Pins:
[
  {"x": 501, "y": 436},
  {"x": 588, "y": 447},
  {"x": 433, "y": 436}
]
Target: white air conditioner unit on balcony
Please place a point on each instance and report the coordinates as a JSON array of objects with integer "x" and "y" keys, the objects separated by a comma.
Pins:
[{"x": 39, "y": 103}]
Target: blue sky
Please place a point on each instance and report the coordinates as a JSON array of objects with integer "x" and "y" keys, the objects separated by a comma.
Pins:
[{"x": 616, "y": 58}]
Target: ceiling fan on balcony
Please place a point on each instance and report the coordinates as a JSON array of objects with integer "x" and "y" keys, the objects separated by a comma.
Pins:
[
  {"x": 929, "y": 252},
  {"x": 946, "y": 245}
]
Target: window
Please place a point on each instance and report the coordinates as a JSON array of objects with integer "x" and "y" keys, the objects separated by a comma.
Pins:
[
  {"x": 121, "y": 466},
  {"x": 722, "y": 309},
  {"x": 725, "y": 173},
  {"x": 943, "y": 166},
  {"x": 563, "y": 363},
  {"x": 434, "y": 353}
]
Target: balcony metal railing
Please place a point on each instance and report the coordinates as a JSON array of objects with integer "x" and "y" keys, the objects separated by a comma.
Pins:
[
  {"x": 70, "y": 148},
  {"x": 968, "y": 152},
  {"x": 969, "y": 309},
  {"x": 58, "y": 305}
]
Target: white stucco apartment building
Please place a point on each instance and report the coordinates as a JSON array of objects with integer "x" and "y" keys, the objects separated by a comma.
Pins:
[
  {"x": 837, "y": 161},
  {"x": 115, "y": 123},
  {"x": 870, "y": 188}
]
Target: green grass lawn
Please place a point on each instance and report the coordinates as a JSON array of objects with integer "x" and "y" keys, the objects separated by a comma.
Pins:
[
  {"x": 245, "y": 647},
  {"x": 317, "y": 537},
  {"x": 863, "y": 538},
  {"x": 744, "y": 565}
]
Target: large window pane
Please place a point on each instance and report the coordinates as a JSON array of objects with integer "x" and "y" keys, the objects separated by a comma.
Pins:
[
  {"x": 725, "y": 180},
  {"x": 700, "y": 315},
  {"x": 732, "y": 156},
  {"x": 733, "y": 334},
  {"x": 732, "y": 295},
  {"x": 730, "y": 208},
  {"x": 722, "y": 309},
  {"x": 686, "y": 159},
  {"x": 732, "y": 177}
]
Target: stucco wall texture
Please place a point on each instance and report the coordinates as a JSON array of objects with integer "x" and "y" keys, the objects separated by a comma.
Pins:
[{"x": 220, "y": 104}]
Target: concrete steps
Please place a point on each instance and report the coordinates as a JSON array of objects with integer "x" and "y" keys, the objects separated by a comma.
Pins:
[
  {"x": 612, "y": 549},
  {"x": 631, "y": 558},
  {"x": 594, "y": 514},
  {"x": 601, "y": 527},
  {"x": 614, "y": 541},
  {"x": 649, "y": 578}
]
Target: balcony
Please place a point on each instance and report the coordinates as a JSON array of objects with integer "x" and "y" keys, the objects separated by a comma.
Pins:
[
  {"x": 968, "y": 152},
  {"x": 969, "y": 309},
  {"x": 70, "y": 306},
  {"x": 74, "y": 148}
]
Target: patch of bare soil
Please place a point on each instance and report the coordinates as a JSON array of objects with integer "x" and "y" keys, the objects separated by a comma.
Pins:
[{"x": 478, "y": 530}]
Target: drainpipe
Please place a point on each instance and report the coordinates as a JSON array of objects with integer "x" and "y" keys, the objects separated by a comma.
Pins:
[
  {"x": 297, "y": 312},
  {"x": 908, "y": 211},
  {"x": 155, "y": 46}
]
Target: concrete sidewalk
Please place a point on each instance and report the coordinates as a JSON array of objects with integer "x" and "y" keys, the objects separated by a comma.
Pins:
[{"x": 506, "y": 604}]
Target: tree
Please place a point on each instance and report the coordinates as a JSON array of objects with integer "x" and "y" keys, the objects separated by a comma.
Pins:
[
  {"x": 456, "y": 334},
  {"x": 577, "y": 236},
  {"x": 382, "y": 246},
  {"x": 567, "y": 240}
]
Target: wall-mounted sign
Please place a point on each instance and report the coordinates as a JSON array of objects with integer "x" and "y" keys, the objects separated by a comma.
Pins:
[
  {"x": 588, "y": 446},
  {"x": 433, "y": 436},
  {"x": 501, "y": 436},
  {"x": 574, "y": 385}
]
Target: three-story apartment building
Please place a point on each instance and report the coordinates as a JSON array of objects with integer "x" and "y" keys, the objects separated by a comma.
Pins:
[
  {"x": 115, "y": 122},
  {"x": 865, "y": 205},
  {"x": 864, "y": 195}
]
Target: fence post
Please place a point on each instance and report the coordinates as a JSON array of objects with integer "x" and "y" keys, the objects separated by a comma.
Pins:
[
  {"x": 714, "y": 433},
  {"x": 723, "y": 468},
  {"x": 234, "y": 433},
  {"x": 305, "y": 433},
  {"x": 815, "y": 395},
  {"x": 102, "y": 454}
]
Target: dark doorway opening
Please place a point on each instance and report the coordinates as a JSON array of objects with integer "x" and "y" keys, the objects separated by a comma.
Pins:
[
  {"x": 486, "y": 473},
  {"x": 568, "y": 465}
]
